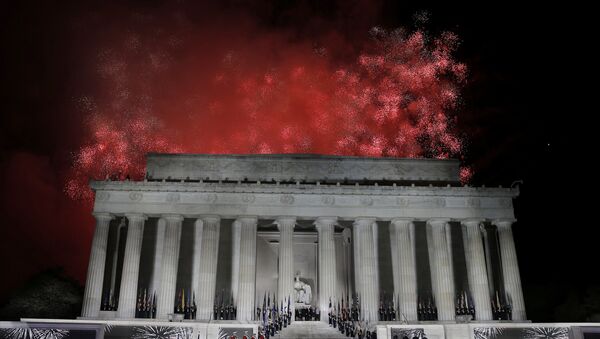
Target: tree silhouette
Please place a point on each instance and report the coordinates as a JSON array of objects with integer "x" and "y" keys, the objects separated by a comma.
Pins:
[{"x": 49, "y": 294}]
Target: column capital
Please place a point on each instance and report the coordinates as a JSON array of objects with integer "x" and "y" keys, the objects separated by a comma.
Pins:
[
  {"x": 471, "y": 222},
  {"x": 210, "y": 218},
  {"x": 326, "y": 220},
  {"x": 503, "y": 223},
  {"x": 103, "y": 216},
  {"x": 438, "y": 222},
  {"x": 136, "y": 217},
  {"x": 402, "y": 221},
  {"x": 325, "y": 223},
  {"x": 172, "y": 217},
  {"x": 247, "y": 219},
  {"x": 363, "y": 221},
  {"x": 285, "y": 222}
]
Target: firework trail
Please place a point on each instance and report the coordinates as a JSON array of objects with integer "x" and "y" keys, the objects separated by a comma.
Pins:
[{"x": 395, "y": 98}]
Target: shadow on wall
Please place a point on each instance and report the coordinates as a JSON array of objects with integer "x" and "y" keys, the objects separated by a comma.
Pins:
[{"x": 266, "y": 268}]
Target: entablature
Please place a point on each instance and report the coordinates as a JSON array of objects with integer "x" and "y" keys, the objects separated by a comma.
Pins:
[{"x": 302, "y": 200}]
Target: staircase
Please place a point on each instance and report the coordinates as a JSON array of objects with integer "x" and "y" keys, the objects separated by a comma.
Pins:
[{"x": 309, "y": 329}]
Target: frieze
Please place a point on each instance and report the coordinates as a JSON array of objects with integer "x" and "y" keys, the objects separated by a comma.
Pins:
[
  {"x": 102, "y": 196},
  {"x": 473, "y": 202},
  {"x": 366, "y": 201},
  {"x": 287, "y": 199},
  {"x": 232, "y": 203},
  {"x": 328, "y": 200},
  {"x": 211, "y": 197},
  {"x": 135, "y": 196},
  {"x": 313, "y": 198},
  {"x": 506, "y": 203},
  {"x": 440, "y": 202},
  {"x": 173, "y": 197},
  {"x": 402, "y": 202},
  {"x": 248, "y": 198},
  {"x": 334, "y": 190},
  {"x": 302, "y": 200},
  {"x": 299, "y": 167}
]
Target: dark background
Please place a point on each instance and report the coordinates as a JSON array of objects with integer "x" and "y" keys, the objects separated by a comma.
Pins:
[{"x": 523, "y": 112}]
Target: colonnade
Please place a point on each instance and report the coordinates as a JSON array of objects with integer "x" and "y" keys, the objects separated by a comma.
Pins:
[{"x": 365, "y": 261}]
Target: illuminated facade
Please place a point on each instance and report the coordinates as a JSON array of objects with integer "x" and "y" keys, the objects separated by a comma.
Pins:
[
  {"x": 301, "y": 246},
  {"x": 374, "y": 231}
]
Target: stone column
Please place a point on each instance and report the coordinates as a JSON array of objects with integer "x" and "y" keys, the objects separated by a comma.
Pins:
[
  {"x": 367, "y": 269},
  {"x": 510, "y": 268},
  {"x": 131, "y": 266},
  {"x": 442, "y": 274},
  {"x": 347, "y": 236},
  {"x": 487, "y": 236},
  {"x": 476, "y": 268},
  {"x": 159, "y": 244},
  {"x": 285, "y": 282},
  {"x": 115, "y": 257},
  {"x": 92, "y": 297},
  {"x": 247, "y": 273},
  {"x": 208, "y": 267},
  {"x": 374, "y": 230},
  {"x": 327, "y": 265},
  {"x": 197, "y": 257},
  {"x": 165, "y": 298},
  {"x": 356, "y": 260},
  {"x": 404, "y": 266},
  {"x": 235, "y": 259}
]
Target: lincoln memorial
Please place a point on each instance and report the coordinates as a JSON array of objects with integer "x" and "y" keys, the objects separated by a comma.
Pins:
[
  {"x": 306, "y": 230},
  {"x": 300, "y": 246}
]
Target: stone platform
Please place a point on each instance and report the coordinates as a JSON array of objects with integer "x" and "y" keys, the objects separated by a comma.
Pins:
[
  {"x": 309, "y": 329},
  {"x": 152, "y": 328}
]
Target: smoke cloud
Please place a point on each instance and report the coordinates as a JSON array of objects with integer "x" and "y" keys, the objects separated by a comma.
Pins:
[{"x": 231, "y": 77}]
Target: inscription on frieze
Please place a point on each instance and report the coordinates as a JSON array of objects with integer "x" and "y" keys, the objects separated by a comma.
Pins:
[
  {"x": 248, "y": 198},
  {"x": 102, "y": 196},
  {"x": 366, "y": 201},
  {"x": 287, "y": 199},
  {"x": 135, "y": 196},
  {"x": 402, "y": 202},
  {"x": 210, "y": 197},
  {"x": 473, "y": 202},
  {"x": 328, "y": 200},
  {"x": 440, "y": 202},
  {"x": 506, "y": 203},
  {"x": 306, "y": 167},
  {"x": 173, "y": 197}
]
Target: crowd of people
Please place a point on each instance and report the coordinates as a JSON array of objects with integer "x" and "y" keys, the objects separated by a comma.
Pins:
[
  {"x": 273, "y": 316},
  {"x": 346, "y": 317},
  {"x": 146, "y": 305},
  {"x": 501, "y": 309},
  {"x": 426, "y": 309},
  {"x": 224, "y": 308},
  {"x": 109, "y": 302},
  {"x": 310, "y": 313},
  {"x": 343, "y": 314}
]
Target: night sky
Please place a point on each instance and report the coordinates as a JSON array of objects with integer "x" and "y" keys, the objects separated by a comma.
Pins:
[{"x": 62, "y": 68}]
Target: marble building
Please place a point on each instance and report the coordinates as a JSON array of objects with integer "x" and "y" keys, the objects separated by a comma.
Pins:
[
  {"x": 239, "y": 227},
  {"x": 390, "y": 248}
]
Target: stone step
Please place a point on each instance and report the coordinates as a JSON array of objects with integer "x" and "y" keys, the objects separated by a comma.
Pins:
[{"x": 309, "y": 329}]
